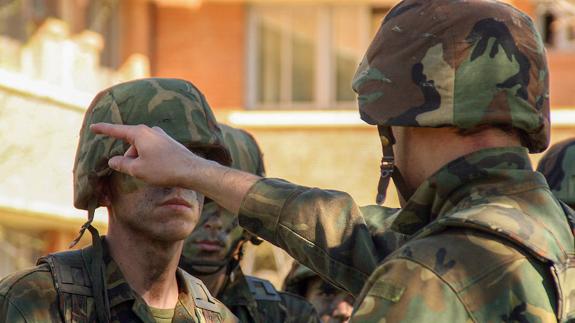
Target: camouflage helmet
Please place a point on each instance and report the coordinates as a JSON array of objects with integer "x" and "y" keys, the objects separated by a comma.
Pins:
[
  {"x": 176, "y": 106},
  {"x": 247, "y": 157},
  {"x": 296, "y": 282},
  {"x": 558, "y": 166},
  {"x": 457, "y": 63}
]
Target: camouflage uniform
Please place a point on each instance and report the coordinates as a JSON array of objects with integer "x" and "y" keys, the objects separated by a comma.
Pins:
[
  {"x": 87, "y": 285},
  {"x": 486, "y": 240},
  {"x": 558, "y": 167},
  {"x": 251, "y": 299}
]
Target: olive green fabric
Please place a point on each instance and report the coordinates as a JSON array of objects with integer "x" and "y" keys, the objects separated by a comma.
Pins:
[
  {"x": 482, "y": 240},
  {"x": 458, "y": 63},
  {"x": 162, "y": 315},
  {"x": 558, "y": 167},
  {"x": 176, "y": 106},
  {"x": 30, "y": 296}
]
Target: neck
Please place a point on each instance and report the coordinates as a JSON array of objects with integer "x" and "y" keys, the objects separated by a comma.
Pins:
[
  {"x": 148, "y": 265},
  {"x": 214, "y": 282}
]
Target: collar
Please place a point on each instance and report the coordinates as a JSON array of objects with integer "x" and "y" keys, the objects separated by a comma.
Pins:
[
  {"x": 120, "y": 292},
  {"x": 493, "y": 190},
  {"x": 492, "y": 170}
]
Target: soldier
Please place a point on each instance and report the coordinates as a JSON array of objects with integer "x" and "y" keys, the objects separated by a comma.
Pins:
[
  {"x": 459, "y": 92},
  {"x": 332, "y": 304},
  {"x": 131, "y": 275},
  {"x": 214, "y": 249},
  {"x": 558, "y": 167}
]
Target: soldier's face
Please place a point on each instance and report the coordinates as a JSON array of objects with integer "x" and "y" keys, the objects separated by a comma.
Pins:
[
  {"x": 331, "y": 304},
  {"x": 214, "y": 236},
  {"x": 160, "y": 213}
]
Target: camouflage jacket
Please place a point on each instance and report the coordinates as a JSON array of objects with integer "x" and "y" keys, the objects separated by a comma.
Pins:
[
  {"x": 30, "y": 296},
  {"x": 256, "y": 300},
  {"x": 487, "y": 241}
]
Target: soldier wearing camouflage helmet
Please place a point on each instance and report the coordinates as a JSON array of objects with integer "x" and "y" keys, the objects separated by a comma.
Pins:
[
  {"x": 130, "y": 275},
  {"x": 558, "y": 167},
  {"x": 214, "y": 249},
  {"x": 332, "y": 304},
  {"x": 459, "y": 92}
]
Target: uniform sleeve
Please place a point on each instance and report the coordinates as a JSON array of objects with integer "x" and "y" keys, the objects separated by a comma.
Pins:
[
  {"x": 322, "y": 229},
  {"x": 404, "y": 291}
]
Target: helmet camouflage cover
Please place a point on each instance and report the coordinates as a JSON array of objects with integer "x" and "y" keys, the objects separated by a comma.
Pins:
[
  {"x": 457, "y": 63},
  {"x": 558, "y": 166},
  {"x": 176, "y": 106},
  {"x": 247, "y": 157}
]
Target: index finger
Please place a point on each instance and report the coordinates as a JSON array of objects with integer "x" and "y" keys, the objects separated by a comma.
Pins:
[{"x": 123, "y": 132}]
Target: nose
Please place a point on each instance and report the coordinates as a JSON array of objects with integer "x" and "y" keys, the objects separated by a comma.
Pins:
[
  {"x": 213, "y": 223},
  {"x": 342, "y": 310}
]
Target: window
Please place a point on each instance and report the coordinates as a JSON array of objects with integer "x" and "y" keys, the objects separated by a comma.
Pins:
[
  {"x": 557, "y": 25},
  {"x": 305, "y": 56}
]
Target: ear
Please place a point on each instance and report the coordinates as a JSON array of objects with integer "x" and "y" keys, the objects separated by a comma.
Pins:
[{"x": 105, "y": 197}]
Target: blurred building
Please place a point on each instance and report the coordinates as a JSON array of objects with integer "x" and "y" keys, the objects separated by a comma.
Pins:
[{"x": 280, "y": 69}]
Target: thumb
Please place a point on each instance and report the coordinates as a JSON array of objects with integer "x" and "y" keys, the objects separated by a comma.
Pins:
[{"x": 122, "y": 164}]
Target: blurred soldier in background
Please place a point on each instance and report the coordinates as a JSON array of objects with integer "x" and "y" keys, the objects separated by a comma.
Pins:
[
  {"x": 558, "y": 166},
  {"x": 459, "y": 92},
  {"x": 214, "y": 250},
  {"x": 130, "y": 275},
  {"x": 332, "y": 304}
]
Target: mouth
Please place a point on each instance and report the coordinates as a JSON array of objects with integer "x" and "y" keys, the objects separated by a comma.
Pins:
[
  {"x": 177, "y": 202},
  {"x": 209, "y": 245}
]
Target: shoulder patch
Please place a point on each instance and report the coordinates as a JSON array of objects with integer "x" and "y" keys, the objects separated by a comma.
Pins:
[{"x": 262, "y": 290}]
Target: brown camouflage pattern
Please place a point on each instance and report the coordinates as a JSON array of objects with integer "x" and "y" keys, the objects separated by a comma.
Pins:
[
  {"x": 482, "y": 240},
  {"x": 558, "y": 167},
  {"x": 176, "y": 106},
  {"x": 459, "y": 63},
  {"x": 29, "y": 296}
]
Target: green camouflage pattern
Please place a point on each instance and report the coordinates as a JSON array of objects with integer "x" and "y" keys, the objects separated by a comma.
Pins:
[
  {"x": 249, "y": 308},
  {"x": 29, "y": 296},
  {"x": 558, "y": 167},
  {"x": 245, "y": 152},
  {"x": 482, "y": 240},
  {"x": 176, "y": 106},
  {"x": 457, "y": 63}
]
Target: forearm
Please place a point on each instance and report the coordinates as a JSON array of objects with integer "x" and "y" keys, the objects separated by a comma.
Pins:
[{"x": 225, "y": 186}]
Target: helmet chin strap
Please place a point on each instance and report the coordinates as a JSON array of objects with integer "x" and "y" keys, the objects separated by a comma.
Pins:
[{"x": 389, "y": 170}]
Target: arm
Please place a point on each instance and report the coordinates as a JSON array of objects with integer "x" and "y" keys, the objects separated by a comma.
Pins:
[{"x": 322, "y": 229}]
